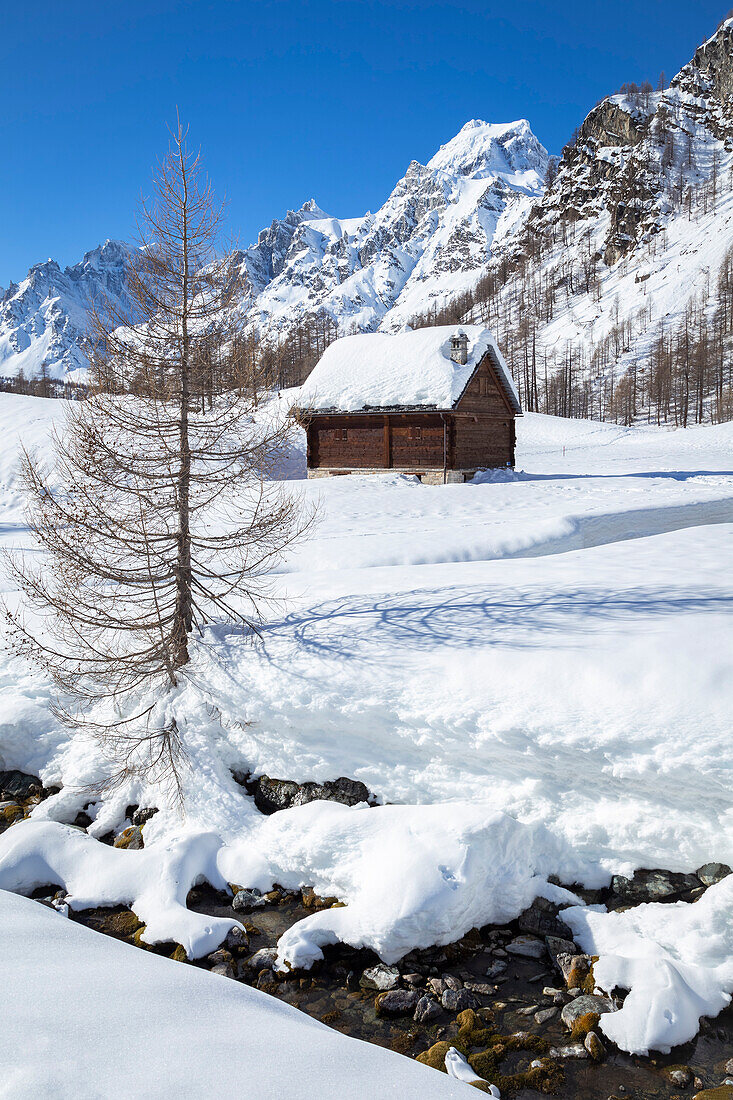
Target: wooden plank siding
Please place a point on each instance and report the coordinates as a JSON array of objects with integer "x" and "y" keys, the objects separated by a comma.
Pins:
[{"x": 478, "y": 432}]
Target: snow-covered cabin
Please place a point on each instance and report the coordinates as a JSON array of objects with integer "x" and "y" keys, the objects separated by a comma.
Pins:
[{"x": 437, "y": 402}]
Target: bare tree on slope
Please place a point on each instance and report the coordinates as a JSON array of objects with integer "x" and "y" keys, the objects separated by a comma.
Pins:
[{"x": 161, "y": 513}]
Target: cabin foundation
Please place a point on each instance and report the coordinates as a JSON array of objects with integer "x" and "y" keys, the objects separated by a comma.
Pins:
[{"x": 427, "y": 477}]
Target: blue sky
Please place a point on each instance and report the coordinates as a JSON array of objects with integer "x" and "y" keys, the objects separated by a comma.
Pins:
[{"x": 289, "y": 100}]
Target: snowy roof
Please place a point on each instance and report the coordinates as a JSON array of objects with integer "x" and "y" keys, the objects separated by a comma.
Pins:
[{"x": 382, "y": 371}]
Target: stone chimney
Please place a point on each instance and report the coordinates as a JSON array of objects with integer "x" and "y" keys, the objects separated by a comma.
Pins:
[{"x": 459, "y": 347}]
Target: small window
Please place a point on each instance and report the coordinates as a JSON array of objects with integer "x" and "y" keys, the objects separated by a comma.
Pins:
[
  {"x": 414, "y": 433},
  {"x": 483, "y": 386},
  {"x": 340, "y": 433}
]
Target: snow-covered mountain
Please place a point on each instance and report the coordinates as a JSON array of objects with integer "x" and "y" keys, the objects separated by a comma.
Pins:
[
  {"x": 628, "y": 247},
  {"x": 44, "y": 318},
  {"x": 428, "y": 242}
]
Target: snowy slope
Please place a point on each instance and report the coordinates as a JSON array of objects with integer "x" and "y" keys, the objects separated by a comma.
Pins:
[
  {"x": 536, "y": 668},
  {"x": 94, "y": 1017},
  {"x": 632, "y": 231},
  {"x": 44, "y": 318}
]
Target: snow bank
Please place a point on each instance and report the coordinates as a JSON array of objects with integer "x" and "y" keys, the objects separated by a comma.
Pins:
[
  {"x": 409, "y": 657},
  {"x": 411, "y": 876},
  {"x": 382, "y": 370},
  {"x": 89, "y": 1016},
  {"x": 676, "y": 960}
]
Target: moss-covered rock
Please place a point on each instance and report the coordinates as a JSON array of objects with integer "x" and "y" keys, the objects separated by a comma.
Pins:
[
  {"x": 585, "y": 1023},
  {"x": 485, "y": 1051},
  {"x": 120, "y": 923},
  {"x": 723, "y": 1092},
  {"x": 179, "y": 955},
  {"x": 594, "y": 1046},
  {"x": 10, "y": 812},
  {"x": 131, "y": 839}
]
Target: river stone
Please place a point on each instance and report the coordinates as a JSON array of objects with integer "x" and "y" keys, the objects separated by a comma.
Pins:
[
  {"x": 264, "y": 959},
  {"x": 544, "y": 1015},
  {"x": 236, "y": 940},
  {"x": 272, "y": 795},
  {"x": 587, "y": 1002},
  {"x": 140, "y": 816},
  {"x": 557, "y": 946},
  {"x": 458, "y": 1000},
  {"x": 131, "y": 839},
  {"x": 246, "y": 900},
  {"x": 496, "y": 968},
  {"x": 527, "y": 946},
  {"x": 541, "y": 920},
  {"x": 681, "y": 1076},
  {"x": 594, "y": 1046},
  {"x": 380, "y": 977},
  {"x": 572, "y": 1050},
  {"x": 19, "y": 785},
  {"x": 710, "y": 873},
  {"x": 656, "y": 885},
  {"x": 426, "y": 1009},
  {"x": 397, "y": 1002},
  {"x": 450, "y": 981},
  {"x": 436, "y": 986}
]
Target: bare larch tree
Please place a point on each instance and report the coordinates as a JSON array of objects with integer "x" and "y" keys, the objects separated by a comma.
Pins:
[{"x": 161, "y": 512}]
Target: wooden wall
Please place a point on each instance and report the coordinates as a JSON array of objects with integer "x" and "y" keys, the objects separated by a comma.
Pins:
[
  {"x": 376, "y": 441},
  {"x": 480, "y": 432}
]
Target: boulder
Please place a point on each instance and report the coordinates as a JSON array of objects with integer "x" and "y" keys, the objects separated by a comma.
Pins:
[
  {"x": 544, "y": 1015},
  {"x": 131, "y": 838},
  {"x": 496, "y": 968},
  {"x": 236, "y": 941},
  {"x": 594, "y": 1046},
  {"x": 575, "y": 969},
  {"x": 10, "y": 812},
  {"x": 264, "y": 959},
  {"x": 580, "y": 1006},
  {"x": 556, "y": 946},
  {"x": 397, "y": 1002},
  {"x": 458, "y": 1000},
  {"x": 140, "y": 816},
  {"x": 380, "y": 977},
  {"x": 426, "y": 1009},
  {"x": 680, "y": 1076},
  {"x": 18, "y": 785},
  {"x": 572, "y": 1050},
  {"x": 246, "y": 900},
  {"x": 482, "y": 988},
  {"x": 450, "y": 981},
  {"x": 655, "y": 885},
  {"x": 272, "y": 795},
  {"x": 710, "y": 873},
  {"x": 541, "y": 920},
  {"x": 528, "y": 947}
]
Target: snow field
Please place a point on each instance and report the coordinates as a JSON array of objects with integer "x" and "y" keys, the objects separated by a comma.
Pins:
[
  {"x": 564, "y": 713},
  {"x": 92, "y": 1017}
]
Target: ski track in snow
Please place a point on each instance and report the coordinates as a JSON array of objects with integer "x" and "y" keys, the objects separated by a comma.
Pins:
[{"x": 567, "y": 716}]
